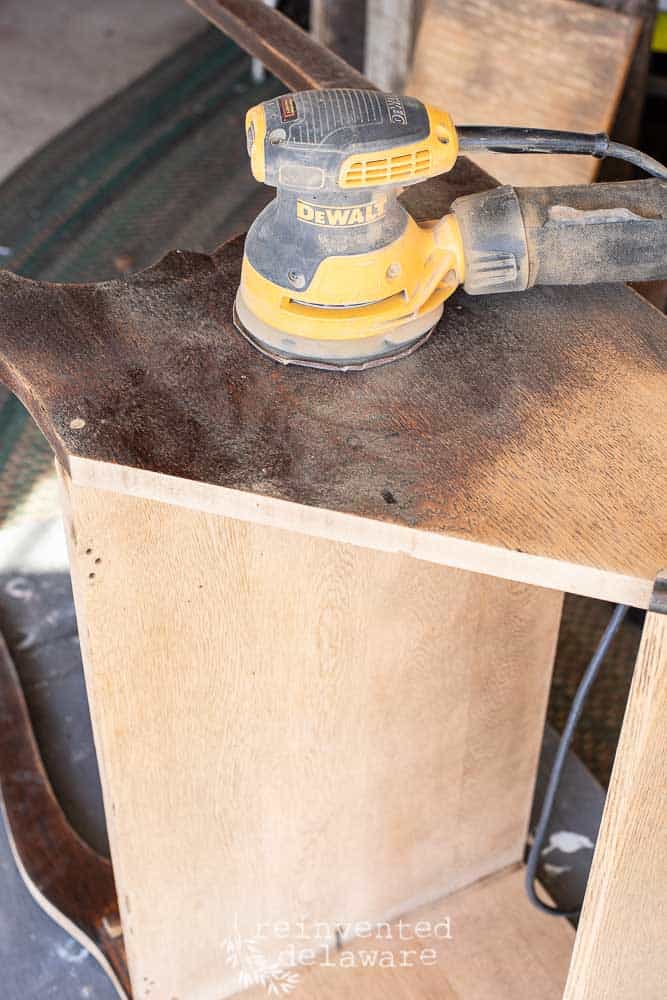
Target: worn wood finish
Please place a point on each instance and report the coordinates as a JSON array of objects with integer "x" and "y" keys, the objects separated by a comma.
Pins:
[
  {"x": 545, "y": 63},
  {"x": 292, "y": 727},
  {"x": 500, "y": 949},
  {"x": 72, "y": 883},
  {"x": 516, "y": 442},
  {"x": 620, "y": 948}
]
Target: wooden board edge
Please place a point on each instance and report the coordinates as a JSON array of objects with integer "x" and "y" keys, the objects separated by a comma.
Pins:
[{"x": 338, "y": 526}]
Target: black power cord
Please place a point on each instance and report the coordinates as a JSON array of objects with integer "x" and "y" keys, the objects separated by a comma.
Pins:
[
  {"x": 506, "y": 139},
  {"x": 574, "y": 715}
]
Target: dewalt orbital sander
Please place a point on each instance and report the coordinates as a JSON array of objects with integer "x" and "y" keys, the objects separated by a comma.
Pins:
[{"x": 337, "y": 274}]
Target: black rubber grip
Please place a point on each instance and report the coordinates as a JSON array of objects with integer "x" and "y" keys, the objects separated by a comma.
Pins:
[
  {"x": 514, "y": 238},
  {"x": 508, "y": 139}
]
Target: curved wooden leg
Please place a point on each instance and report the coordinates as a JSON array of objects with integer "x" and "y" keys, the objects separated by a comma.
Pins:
[{"x": 72, "y": 883}]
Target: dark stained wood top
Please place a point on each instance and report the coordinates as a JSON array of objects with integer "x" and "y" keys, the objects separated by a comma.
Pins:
[{"x": 529, "y": 422}]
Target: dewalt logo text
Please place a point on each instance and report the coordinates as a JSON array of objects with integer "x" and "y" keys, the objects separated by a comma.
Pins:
[{"x": 333, "y": 215}]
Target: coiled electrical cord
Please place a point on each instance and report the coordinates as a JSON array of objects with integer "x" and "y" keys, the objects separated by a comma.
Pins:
[
  {"x": 506, "y": 139},
  {"x": 576, "y": 709}
]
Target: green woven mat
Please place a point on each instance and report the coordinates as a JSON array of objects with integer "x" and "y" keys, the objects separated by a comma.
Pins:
[{"x": 161, "y": 164}]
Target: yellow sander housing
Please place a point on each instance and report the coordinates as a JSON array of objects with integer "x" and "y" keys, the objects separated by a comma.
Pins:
[{"x": 336, "y": 273}]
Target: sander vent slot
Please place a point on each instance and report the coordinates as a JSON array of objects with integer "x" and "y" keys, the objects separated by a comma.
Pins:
[
  {"x": 301, "y": 308},
  {"x": 365, "y": 172}
]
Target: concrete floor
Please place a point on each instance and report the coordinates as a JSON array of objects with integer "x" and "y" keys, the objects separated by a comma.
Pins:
[{"x": 60, "y": 58}]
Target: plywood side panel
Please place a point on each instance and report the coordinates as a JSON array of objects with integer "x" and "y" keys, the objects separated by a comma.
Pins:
[
  {"x": 541, "y": 63},
  {"x": 290, "y": 727},
  {"x": 620, "y": 951}
]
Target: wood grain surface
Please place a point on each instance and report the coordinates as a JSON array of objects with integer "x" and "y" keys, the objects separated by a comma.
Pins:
[
  {"x": 500, "y": 949},
  {"x": 542, "y": 63},
  {"x": 289, "y": 727},
  {"x": 620, "y": 949},
  {"x": 525, "y": 439}
]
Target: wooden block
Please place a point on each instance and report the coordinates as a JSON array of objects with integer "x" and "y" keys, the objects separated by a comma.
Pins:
[
  {"x": 288, "y": 727},
  {"x": 542, "y": 63},
  {"x": 500, "y": 949},
  {"x": 620, "y": 951}
]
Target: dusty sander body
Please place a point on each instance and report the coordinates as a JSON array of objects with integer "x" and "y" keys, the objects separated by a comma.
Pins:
[
  {"x": 337, "y": 274},
  {"x": 335, "y": 270}
]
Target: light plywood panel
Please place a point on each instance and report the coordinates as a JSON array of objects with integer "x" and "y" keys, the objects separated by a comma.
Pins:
[
  {"x": 289, "y": 727},
  {"x": 542, "y": 63},
  {"x": 500, "y": 949},
  {"x": 620, "y": 952}
]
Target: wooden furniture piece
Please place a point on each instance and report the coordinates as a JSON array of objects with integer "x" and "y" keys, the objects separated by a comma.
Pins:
[{"x": 318, "y": 611}]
